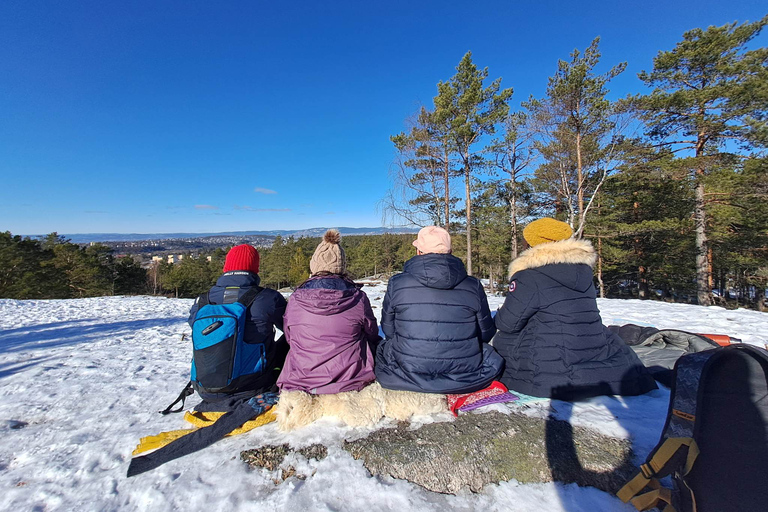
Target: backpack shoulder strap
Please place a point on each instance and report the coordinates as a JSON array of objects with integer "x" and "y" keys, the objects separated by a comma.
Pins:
[
  {"x": 677, "y": 449},
  {"x": 249, "y": 296},
  {"x": 188, "y": 390}
]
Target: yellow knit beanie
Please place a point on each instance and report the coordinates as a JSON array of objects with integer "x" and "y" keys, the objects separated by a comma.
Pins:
[{"x": 546, "y": 230}]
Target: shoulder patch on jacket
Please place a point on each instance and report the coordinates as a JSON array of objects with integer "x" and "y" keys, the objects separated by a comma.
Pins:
[{"x": 513, "y": 285}]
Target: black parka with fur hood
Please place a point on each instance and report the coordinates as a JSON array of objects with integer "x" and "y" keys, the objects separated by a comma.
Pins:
[{"x": 551, "y": 334}]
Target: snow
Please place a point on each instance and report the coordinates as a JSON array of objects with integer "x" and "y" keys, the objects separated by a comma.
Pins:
[{"x": 82, "y": 380}]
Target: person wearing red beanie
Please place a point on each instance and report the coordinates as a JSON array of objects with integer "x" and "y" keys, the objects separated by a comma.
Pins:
[
  {"x": 241, "y": 273},
  {"x": 242, "y": 257}
]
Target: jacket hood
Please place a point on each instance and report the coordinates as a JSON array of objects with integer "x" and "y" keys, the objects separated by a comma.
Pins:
[
  {"x": 327, "y": 299},
  {"x": 441, "y": 271},
  {"x": 556, "y": 260},
  {"x": 239, "y": 278},
  {"x": 569, "y": 251}
]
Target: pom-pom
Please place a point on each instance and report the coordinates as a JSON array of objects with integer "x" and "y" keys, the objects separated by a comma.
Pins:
[{"x": 332, "y": 236}]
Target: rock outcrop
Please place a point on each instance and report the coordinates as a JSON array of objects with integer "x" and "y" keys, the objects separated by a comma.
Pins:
[{"x": 478, "y": 449}]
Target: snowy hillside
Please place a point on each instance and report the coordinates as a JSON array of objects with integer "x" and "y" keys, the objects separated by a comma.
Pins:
[{"x": 82, "y": 380}]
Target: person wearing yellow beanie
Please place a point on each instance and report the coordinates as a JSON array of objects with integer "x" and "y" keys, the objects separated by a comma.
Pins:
[
  {"x": 550, "y": 333},
  {"x": 546, "y": 230}
]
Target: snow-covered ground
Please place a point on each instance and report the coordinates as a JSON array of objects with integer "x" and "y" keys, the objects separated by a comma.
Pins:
[{"x": 82, "y": 380}]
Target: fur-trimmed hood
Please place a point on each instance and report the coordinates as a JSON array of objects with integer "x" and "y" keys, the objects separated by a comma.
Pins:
[{"x": 565, "y": 251}]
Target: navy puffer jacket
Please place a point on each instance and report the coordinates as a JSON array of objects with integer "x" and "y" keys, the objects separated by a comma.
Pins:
[
  {"x": 264, "y": 315},
  {"x": 551, "y": 334},
  {"x": 437, "y": 324}
]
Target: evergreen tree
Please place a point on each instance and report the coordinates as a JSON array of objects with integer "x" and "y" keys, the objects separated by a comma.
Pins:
[
  {"x": 299, "y": 268},
  {"x": 494, "y": 238},
  {"x": 576, "y": 126},
  {"x": 422, "y": 173},
  {"x": 644, "y": 229},
  {"x": 470, "y": 111},
  {"x": 130, "y": 277},
  {"x": 511, "y": 154},
  {"x": 708, "y": 90}
]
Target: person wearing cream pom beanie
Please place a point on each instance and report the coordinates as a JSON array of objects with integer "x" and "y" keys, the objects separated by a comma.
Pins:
[
  {"x": 549, "y": 329},
  {"x": 330, "y": 327}
]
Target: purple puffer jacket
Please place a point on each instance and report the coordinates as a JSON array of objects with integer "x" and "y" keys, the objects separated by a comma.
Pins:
[{"x": 329, "y": 325}]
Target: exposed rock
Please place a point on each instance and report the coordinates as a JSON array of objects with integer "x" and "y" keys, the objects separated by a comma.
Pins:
[
  {"x": 478, "y": 449},
  {"x": 271, "y": 457}
]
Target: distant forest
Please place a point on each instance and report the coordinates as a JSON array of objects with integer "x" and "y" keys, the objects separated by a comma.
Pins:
[
  {"x": 670, "y": 185},
  {"x": 54, "y": 268}
]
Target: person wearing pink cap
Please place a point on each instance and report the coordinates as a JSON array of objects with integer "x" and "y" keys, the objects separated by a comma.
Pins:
[{"x": 437, "y": 324}]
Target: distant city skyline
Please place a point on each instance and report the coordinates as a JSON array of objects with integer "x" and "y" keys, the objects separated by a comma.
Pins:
[
  {"x": 198, "y": 117},
  {"x": 305, "y": 232}
]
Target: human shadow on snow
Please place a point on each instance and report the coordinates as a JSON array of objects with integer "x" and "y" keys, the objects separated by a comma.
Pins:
[
  {"x": 562, "y": 453},
  {"x": 75, "y": 332}
]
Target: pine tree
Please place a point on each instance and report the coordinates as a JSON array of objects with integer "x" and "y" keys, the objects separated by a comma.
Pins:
[
  {"x": 577, "y": 128},
  {"x": 644, "y": 229},
  {"x": 299, "y": 268},
  {"x": 511, "y": 154},
  {"x": 708, "y": 90},
  {"x": 422, "y": 174},
  {"x": 130, "y": 277},
  {"x": 470, "y": 111}
]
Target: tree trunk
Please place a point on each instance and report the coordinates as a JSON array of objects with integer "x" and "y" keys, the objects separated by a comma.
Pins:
[
  {"x": 600, "y": 266},
  {"x": 490, "y": 279},
  {"x": 703, "y": 292},
  {"x": 513, "y": 216},
  {"x": 579, "y": 182},
  {"x": 469, "y": 217},
  {"x": 642, "y": 278},
  {"x": 600, "y": 255},
  {"x": 446, "y": 176}
]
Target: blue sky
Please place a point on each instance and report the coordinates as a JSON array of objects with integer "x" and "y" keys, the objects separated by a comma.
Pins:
[{"x": 197, "y": 116}]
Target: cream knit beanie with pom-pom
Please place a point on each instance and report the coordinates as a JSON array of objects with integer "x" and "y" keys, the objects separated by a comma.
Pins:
[{"x": 329, "y": 256}]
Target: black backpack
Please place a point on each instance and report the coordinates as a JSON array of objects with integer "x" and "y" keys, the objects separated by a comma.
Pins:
[{"x": 715, "y": 440}]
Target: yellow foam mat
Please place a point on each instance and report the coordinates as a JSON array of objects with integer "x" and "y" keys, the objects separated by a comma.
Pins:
[{"x": 199, "y": 419}]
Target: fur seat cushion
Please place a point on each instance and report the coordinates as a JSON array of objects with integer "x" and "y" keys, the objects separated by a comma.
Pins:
[{"x": 362, "y": 408}]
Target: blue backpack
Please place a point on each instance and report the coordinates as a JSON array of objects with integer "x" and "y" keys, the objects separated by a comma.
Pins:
[{"x": 222, "y": 362}]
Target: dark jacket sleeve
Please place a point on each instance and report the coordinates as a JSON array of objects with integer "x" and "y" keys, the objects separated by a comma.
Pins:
[
  {"x": 521, "y": 303},
  {"x": 484, "y": 318},
  {"x": 370, "y": 327},
  {"x": 388, "y": 313},
  {"x": 193, "y": 312},
  {"x": 278, "y": 310}
]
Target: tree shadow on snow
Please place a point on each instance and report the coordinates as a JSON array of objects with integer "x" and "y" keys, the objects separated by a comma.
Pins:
[
  {"x": 11, "y": 368},
  {"x": 42, "y": 327},
  {"x": 74, "y": 332}
]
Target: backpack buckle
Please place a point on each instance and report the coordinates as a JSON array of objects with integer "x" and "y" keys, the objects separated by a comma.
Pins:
[{"x": 648, "y": 471}]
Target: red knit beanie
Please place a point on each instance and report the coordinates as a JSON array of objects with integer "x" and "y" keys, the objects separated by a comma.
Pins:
[{"x": 242, "y": 257}]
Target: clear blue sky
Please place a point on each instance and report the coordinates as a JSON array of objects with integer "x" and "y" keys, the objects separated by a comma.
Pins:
[{"x": 199, "y": 116}]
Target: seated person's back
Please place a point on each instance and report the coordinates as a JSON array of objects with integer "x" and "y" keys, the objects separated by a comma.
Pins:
[
  {"x": 550, "y": 331},
  {"x": 437, "y": 324},
  {"x": 262, "y": 317},
  {"x": 330, "y": 327}
]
